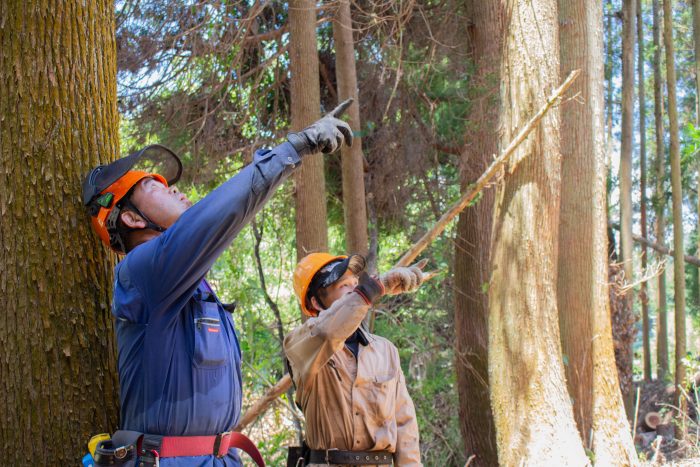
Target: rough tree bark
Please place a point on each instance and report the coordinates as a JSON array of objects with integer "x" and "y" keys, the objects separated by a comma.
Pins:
[
  {"x": 643, "y": 295},
  {"x": 628, "y": 17},
  {"x": 531, "y": 406},
  {"x": 58, "y": 119},
  {"x": 582, "y": 296},
  {"x": 660, "y": 196},
  {"x": 677, "y": 207},
  {"x": 354, "y": 206},
  {"x": 309, "y": 179},
  {"x": 473, "y": 240}
]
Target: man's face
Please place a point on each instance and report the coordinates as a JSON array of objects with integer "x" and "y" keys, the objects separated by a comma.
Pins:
[
  {"x": 342, "y": 286},
  {"x": 163, "y": 205}
]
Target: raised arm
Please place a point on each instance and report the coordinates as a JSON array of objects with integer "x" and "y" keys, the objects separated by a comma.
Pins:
[{"x": 174, "y": 263}]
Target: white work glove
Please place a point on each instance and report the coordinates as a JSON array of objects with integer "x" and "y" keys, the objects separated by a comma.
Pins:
[{"x": 403, "y": 279}]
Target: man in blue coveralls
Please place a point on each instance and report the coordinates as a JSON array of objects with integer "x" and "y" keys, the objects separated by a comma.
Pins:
[{"x": 179, "y": 357}]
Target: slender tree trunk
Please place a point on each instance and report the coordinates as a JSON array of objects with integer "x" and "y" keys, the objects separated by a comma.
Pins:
[
  {"x": 353, "y": 171},
  {"x": 582, "y": 296},
  {"x": 532, "y": 409},
  {"x": 610, "y": 64},
  {"x": 628, "y": 17},
  {"x": 309, "y": 180},
  {"x": 58, "y": 119},
  {"x": 677, "y": 204},
  {"x": 696, "y": 37},
  {"x": 473, "y": 241},
  {"x": 696, "y": 41},
  {"x": 660, "y": 196},
  {"x": 643, "y": 295}
]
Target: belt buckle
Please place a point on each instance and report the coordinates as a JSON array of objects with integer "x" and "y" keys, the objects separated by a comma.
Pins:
[
  {"x": 222, "y": 438},
  {"x": 328, "y": 461},
  {"x": 121, "y": 452}
]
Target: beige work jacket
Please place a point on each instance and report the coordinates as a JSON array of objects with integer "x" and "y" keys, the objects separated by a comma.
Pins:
[{"x": 351, "y": 404}]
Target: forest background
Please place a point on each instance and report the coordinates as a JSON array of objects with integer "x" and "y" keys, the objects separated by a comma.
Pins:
[{"x": 215, "y": 80}]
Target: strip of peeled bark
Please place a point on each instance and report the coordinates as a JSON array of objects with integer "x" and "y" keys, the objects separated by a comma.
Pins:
[{"x": 532, "y": 409}]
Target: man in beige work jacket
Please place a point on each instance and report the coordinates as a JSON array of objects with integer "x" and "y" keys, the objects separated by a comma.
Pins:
[{"x": 349, "y": 383}]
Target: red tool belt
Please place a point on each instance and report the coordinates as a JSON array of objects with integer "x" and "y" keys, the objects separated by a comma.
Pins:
[{"x": 151, "y": 448}]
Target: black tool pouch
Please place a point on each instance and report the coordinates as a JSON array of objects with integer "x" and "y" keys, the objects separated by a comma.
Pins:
[
  {"x": 109, "y": 453},
  {"x": 298, "y": 456},
  {"x": 150, "y": 446}
]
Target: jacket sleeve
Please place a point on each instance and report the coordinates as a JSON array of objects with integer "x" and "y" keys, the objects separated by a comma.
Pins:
[
  {"x": 172, "y": 265},
  {"x": 407, "y": 446},
  {"x": 310, "y": 346}
]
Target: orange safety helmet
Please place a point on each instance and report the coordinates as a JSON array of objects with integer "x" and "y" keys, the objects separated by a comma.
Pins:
[
  {"x": 104, "y": 222},
  {"x": 305, "y": 272},
  {"x": 105, "y": 189}
]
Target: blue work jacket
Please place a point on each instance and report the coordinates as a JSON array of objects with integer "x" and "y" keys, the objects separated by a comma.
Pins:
[{"x": 179, "y": 357}]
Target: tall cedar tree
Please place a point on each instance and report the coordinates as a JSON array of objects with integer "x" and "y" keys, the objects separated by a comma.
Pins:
[
  {"x": 473, "y": 241},
  {"x": 352, "y": 160},
  {"x": 628, "y": 17},
  {"x": 309, "y": 179},
  {"x": 677, "y": 207},
  {"x": 58, "y": 119},
  {"x": 531, "y": 406},
  {"x": 582, "y": 297},
  {"x": 660, "y": 196},
  {"x": 643, "y": 295}
]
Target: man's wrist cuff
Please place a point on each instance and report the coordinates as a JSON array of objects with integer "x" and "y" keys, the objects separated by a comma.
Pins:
[
  {"x": 369, "y": 288},
  {"x": 298, "y": 142}
]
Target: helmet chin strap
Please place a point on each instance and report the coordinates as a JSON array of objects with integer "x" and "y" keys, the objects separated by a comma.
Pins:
[{"x": 150, "y": 225}]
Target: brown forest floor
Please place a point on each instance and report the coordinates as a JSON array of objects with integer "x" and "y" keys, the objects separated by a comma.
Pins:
[{"x": 659, "y": 446}]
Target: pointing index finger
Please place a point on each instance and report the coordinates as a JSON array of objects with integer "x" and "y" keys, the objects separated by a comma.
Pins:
[{"x": 342, "y": 107}]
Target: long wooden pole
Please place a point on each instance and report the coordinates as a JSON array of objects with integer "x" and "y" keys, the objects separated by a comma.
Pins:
[
  {"x": 262, "y": 404},
  {"x": 486, "y": 177}
]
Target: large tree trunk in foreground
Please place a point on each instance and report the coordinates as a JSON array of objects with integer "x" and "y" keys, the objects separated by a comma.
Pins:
[
  {"x": 354, "y": 205},
  {"x": 473, "y": 241},
  {"x": 582, "y": 297},
  {"x": 677, "y": 204},
  {"x": 643, "y": 295},
  {"x": 660, "y": 196},
  {"x": 628, "y": 17},
  {"x": 309, "y": 179},
  {"x": 58, "y": 119},
  {"x": 531, "y": 406}
]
